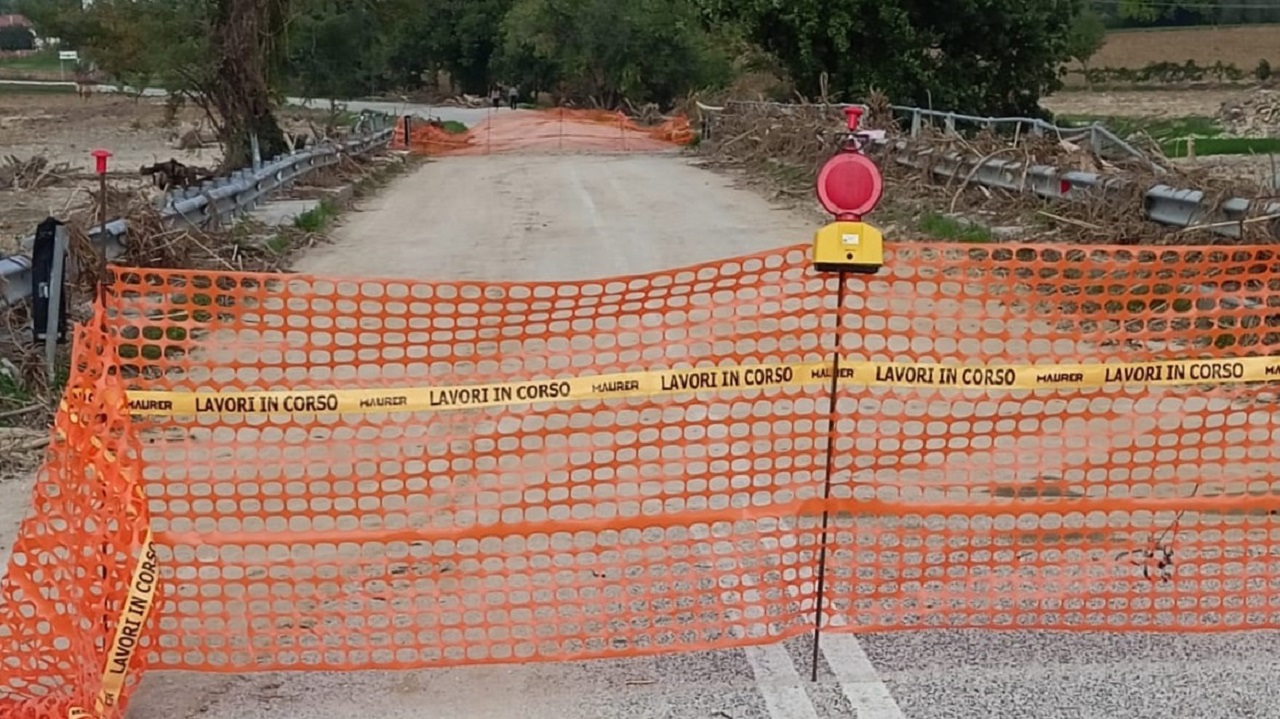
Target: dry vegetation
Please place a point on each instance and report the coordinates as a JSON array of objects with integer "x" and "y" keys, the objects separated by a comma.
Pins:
[
  {"x": 27, "y": 395},
  {"x": 785, "y": 146},
  {"x": 61, "y": 130},
  {"x": 1141, "y": 103},
  {"x": 1240, "y": 46}
]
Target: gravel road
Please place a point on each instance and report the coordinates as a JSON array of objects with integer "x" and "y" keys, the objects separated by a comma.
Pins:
[
  {"x": 562, "y": 217},
  {"x": 576, "y": 217}
]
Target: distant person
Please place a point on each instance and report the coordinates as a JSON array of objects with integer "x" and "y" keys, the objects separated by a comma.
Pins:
[
  {"x": 496, "y": 96},
  {"x": 514, "y": 95}
]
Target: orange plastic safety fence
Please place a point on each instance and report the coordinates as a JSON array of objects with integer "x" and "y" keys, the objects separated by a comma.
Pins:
[
  {"x": 1124, "y": 507},
  {"x": 557, "y": 130},
  {"x": 69, "y": 625},
  {"x": 586, "y": 512}
]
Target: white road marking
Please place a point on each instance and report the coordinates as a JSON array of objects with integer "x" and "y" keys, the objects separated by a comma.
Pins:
[
  {"x": 858, "y": 679},
  {"x": 779, "y": 683}
]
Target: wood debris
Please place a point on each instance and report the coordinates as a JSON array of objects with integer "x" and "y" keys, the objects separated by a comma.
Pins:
[
  {"x": 786, "y": 145},
  {"x": 32, "y": 173},
  {"x": 171, "y": 174},
  {"x": 1256, "y": 114}
]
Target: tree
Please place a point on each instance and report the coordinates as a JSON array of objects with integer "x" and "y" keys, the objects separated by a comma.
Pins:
[
  {"x": 16, "y": 38},
  {"x": 642, "y": 50},
  {"x": 335, "y": 50},
  {"x": 1087, "y": 34},
  {"x": 461, "y": 37},
  {"x": 63, "y": 19},
  {"x": 223, "y": 55},
  {"x": 244, "y": 36},
  {"x": 988, "y": 56},
  {"x": 1166, "y": 13}
]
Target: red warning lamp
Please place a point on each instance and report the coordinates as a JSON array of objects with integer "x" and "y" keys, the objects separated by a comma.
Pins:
[
  {"x": 849, "y": 186},
  {"x": 100, "y": 161}
]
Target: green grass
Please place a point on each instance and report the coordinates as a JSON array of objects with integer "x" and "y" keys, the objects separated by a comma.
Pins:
[
  {"x": 9, "y": 89},
  {"x": 45, "y": 61},
  {"x": 453, "y": 127},
  {"x": 13, "y": 393},
  {"x": 134, "y": 338},
  {"x": 949, "y": 228},
  {"x": 1160, "y": 129},
  {"x": 278, "y": 244},
  {"x": 1172, "y": 134},
  {"x": 317, "y": 218},
  {"x": 1175, "y": 28},
  {"x": 1206, "y": 146}
]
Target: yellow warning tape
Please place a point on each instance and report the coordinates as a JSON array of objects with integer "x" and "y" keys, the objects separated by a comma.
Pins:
[
  {"x": 717, "y": 379},
  {"x": 143, "y": 584},
  {"x": 140, "y": 600},
  {"x": 418, "y": 399},
  {"x": 133, "y": 617}
]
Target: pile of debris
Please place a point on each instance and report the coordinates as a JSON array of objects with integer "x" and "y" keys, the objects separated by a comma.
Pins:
[
  {"x": 747, "y": 133},
  {"x": 786, "y": 145},
  {"x": 31, "y": 174},
  {"x": 169, "y": 175},
  {"x": 22, "y": 449},
  {"x": 1256, "y": 114},
  {"x": 465, "y": 100}
]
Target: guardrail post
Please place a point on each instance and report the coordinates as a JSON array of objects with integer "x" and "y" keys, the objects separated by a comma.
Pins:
[
  {"x": 48, "y": 281},
  {"x": 915, "y": 123},
  {"x": 950, "y": 123},
  {"x": 257, "y": 151}
]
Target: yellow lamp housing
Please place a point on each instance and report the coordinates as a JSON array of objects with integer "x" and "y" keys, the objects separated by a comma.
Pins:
[{"x": 848, "y": 247}]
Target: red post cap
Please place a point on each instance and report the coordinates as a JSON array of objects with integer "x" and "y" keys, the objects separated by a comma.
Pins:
[
  {"x": 854, "y": 114},
  {"x": 101, "y": 161}
]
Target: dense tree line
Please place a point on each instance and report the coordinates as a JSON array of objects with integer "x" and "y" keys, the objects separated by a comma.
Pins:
[
  {"x": 982, "y": 56},
  {"x": 1181, "y": 13}
]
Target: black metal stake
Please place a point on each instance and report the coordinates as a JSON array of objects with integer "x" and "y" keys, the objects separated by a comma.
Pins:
[
  {"x": 826, "y": 490},
  {"x": 102, "y": 201}
]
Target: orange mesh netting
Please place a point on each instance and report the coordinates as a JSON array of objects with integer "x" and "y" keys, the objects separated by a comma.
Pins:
[
  {"x": 558, "y": 130},
  {"x": 352, "y": 474},
  {"x": 81, "y": 548}
]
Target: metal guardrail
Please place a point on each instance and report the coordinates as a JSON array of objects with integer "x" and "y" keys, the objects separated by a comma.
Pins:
[
  {"x": 1101, "y": 140},
  {"x": 216, "y": 201},
  {"x": 1164, "y": 204}
]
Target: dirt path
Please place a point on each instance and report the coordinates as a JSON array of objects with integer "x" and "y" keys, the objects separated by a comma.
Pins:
[{"x": 553, "y": 217}]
